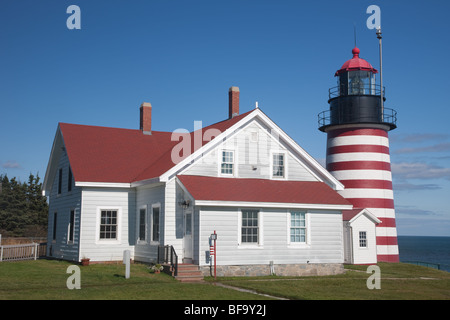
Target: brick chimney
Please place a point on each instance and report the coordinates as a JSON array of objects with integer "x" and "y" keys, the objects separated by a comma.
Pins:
[
  {"x": 145, "y": 124},
  {"x": 233, "y": 102}
]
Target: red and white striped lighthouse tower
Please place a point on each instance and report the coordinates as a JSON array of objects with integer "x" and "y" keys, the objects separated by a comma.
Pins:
[{"x": 357, "y": 126}]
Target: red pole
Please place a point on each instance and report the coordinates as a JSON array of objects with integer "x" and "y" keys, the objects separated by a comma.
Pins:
[{"x": 215, "y": 254}]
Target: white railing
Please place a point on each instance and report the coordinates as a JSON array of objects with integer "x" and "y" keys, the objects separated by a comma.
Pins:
[{"x": 19, "y": 252}]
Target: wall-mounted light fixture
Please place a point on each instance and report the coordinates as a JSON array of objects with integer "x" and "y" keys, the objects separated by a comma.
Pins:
[{"x": 184, "y": 204}]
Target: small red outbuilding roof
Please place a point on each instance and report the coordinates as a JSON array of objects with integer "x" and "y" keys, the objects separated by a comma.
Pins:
[
  {"x": 260, "y": 190},
  {"x": 356, "y": 63},
  {"x": 348, "y": 215}
]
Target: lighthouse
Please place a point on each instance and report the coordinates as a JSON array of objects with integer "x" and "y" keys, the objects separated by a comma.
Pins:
[{"x": 357, "y": 126}]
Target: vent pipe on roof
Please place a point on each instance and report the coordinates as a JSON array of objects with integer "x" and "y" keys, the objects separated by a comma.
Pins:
[
  {"x": 233, "y": 102},
  {"x": 145, "y": 123}
]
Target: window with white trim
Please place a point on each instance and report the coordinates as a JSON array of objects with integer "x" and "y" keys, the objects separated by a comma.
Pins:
[
  {"x": 142, "y": 224},
  {"x": 278, "y": 165},
  {"x": 298, "y": 227},
  {"x": 363, "y": 239},
  {"x": 227, "y": 162},
  {"x": 108, "y": 224},
  {"x": 71, "y": 230},
  {"x": 250, "y": 227},
  {"x": 155, "y": 222}
]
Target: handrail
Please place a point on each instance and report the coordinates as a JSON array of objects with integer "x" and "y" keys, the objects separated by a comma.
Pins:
[
  {"x": 167, "y": 254},
  {"x": 174, "y": 260},
  {"x": 363, "y": 89},
  {"x": 389, "y": 117}
]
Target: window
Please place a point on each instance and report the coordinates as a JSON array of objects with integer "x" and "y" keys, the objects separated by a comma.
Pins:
[
  {"x": 362, "y": 239},
  {"x": 142, "y": 224},
  {"x": 71, "y": 226},
  {"x": 298, "y": 227},
  {"x": 60, "y": 181},
  {"x": 55, "y": 218},
  {"x": 227, "y": 163},
  {"x": 155, "y": 222},
  {"x": 69, "y": 181},
  {"x": 188, "y": 224},
  {"x": 108, "y": 224},
  {"x": 278, "y": 165},
  {"x": 250, "y": 228}
]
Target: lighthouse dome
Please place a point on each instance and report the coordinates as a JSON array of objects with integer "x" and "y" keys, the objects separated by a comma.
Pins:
[{"x": 356, "y": 63}]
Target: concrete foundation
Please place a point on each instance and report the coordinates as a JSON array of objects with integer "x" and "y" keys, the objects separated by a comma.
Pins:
[{"x": 310, "y": 269}]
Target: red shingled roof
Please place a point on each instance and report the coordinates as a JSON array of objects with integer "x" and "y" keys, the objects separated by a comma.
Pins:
[
  {"x": 113, "y": 155},
  {"x": 261, "y": 190}
]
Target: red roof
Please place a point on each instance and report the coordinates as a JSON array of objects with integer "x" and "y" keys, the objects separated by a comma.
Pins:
[
  {"x": 102, "y": 154},
  {"x": 261, "y": 190},
  {"x": 348, "y": 215},
  {"x": 356, "y": 63}
]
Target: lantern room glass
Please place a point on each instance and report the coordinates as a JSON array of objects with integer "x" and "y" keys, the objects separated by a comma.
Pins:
[{"x": 357, "y": 82}]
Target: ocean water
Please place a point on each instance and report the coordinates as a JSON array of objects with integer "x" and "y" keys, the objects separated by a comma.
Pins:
[{"x": 425, "y": 249}]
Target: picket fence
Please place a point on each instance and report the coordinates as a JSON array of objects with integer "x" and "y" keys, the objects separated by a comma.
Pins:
[{"x": 17, "y": 252}]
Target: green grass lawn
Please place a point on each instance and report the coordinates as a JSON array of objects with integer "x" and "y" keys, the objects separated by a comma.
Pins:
[
  {"x": 46, "y": 280},
  {"x": 399, "y": 281}
]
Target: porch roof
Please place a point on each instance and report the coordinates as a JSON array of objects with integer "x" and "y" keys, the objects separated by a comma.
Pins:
[{"x": 225, "y": 190}]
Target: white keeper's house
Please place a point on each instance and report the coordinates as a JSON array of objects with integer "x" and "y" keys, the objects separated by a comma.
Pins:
[{"x": 274, "y": 208}]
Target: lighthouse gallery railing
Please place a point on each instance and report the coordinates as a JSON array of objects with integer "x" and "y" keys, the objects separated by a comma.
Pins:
[{"x": 324, "y": 118}]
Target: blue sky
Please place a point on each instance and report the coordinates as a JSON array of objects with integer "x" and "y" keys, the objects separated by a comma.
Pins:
[{"x": 182, "y": 56}]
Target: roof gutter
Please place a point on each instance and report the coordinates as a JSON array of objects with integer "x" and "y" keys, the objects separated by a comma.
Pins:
[
  {"x": 102, "y": 184},
  {"x": 217, "y": 203}
]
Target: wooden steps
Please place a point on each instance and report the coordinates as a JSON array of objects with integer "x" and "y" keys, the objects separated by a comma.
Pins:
[{"x": 189, "y": 273}]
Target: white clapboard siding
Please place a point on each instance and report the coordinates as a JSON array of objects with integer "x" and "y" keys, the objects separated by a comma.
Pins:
[
  {"x": 95, "y": 199},
  {"x": 147, "y": 251},
  {"x": 62, "y": 204},
  {"x": 325, "y": 239},
  {"x": 253, "y": 147},
  {"x": 173, "y": 219}
]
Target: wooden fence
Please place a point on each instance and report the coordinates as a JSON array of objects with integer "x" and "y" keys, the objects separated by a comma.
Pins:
[{"x": 16, "y": 252}]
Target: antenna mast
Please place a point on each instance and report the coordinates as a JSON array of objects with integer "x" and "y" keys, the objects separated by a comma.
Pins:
[{"x": 381, "y": 72}]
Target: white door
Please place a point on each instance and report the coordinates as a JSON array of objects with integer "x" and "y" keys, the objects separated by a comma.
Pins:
[
  {"x": 188, "y": 239},
  {"x": 348, "y": 244}
]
